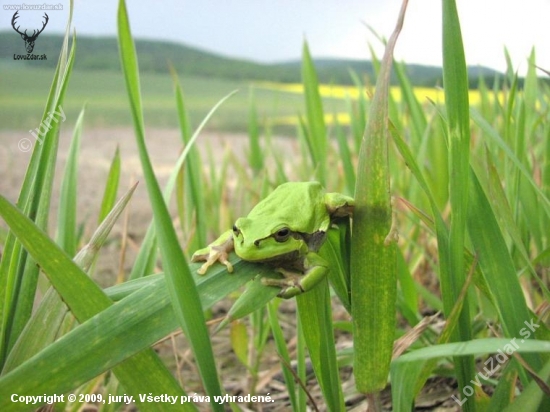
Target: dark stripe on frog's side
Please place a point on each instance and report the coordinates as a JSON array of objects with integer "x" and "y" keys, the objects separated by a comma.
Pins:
[{"x": 291, "y": 260}]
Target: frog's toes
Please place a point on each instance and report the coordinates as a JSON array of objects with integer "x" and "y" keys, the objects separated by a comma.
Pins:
[
  {"x": 287, "y": 282},
  {"x": 290, "y": 292},
  {"x": 216, "y": 254},
  {"x": 291, "y": 284}
]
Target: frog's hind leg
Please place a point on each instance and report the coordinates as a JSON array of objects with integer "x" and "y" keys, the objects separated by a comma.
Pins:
[
  {"x": 295, "y": 283},
  {"x": 291, "y": 284}
]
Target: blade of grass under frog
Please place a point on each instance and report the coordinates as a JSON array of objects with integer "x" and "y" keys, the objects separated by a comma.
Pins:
[
  {"x": 142, "y": 318},
  {"x": 255, "y": 296}
]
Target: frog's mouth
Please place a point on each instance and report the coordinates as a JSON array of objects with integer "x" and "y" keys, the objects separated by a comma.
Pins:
[
  {"x": 274, "y": 259},
  {"x": 314, "y": 240}
]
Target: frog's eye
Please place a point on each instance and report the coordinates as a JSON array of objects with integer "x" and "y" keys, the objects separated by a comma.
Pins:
[
  {"x": 236, "y": 230},
  {"x": 282, "y": 235}
]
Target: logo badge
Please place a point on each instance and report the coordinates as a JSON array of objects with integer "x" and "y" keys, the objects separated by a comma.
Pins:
[{"x": 29, "y": 39}]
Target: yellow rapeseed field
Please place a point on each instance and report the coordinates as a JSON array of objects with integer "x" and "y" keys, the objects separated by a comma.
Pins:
[{"x": 423, "y": 94}]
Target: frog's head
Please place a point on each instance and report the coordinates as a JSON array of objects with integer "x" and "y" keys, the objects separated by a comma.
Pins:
[{"x": 266, "y": 241}]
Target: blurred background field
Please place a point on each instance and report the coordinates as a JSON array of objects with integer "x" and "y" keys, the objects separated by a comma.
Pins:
[{"x": 205, "y": 77}]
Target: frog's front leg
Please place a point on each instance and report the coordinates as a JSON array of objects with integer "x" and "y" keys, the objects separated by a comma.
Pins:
[
  {"x": 339, "y": 205},
  {"x": 294, "y": 283},
  {"x": 217, "y": 251}
]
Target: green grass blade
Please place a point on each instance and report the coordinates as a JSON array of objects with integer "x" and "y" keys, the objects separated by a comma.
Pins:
[
  {"x": 41, "y": 329},
  {"x": 111, "y": 187},
  {"x": 71, "y": 284},
  {"x": 505, "y": 389},
  {"x": 44, "y": 325},
  {"x": 532, "y": 397},
  {"x": 474, "y": 347},
  {"x": 497, "y": 266},
  {"x": 493, "y": 136},
  {"x": 147, "y": 256},
  {"x": 405, "y": 369},
  {"x": 194, "y": 199},
  {"x": 455, "y": 81},
  {"x": 407, "y": 290},
  {"x": 346, "y": 157},
  {"x": 315, "y": 313},
  {"x": 66, "y": 216},
  {"x": 336, "y": 251},
  {"x": 64, "y": 275},
  {"x": 255, "y": 156},
  {"x": 183, "y": 293},
  {"x": 359, "y": 113},
  {"x": 301, "y": 361},
  {"x": 315, "y": 116},
  {"x": 502, "y": 211},
  {"x": 255, "y": 296},
  {"x": 282, "y": 351},
  {"x": 147, "y": 253},
  {"x": 18, "y": 274},
  {"x": 373, "y": 259},
  {"x": 418, "y": 118},
  {"x": 142, "y": 316}
]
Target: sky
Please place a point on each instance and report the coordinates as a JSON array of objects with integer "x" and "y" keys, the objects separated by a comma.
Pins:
[{"x": 273, "y": 30}]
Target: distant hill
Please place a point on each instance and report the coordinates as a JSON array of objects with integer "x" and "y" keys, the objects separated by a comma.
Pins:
[{"x": 101, "y": 53}]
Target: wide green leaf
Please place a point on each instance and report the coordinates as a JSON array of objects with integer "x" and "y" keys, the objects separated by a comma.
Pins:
[
  {"x": 72, "y": 284},
  {"x": 373, "y": 247}
]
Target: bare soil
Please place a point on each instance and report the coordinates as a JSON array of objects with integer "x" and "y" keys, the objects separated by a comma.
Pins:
[
  {"x": 98, "y": 147},
  {"x": 97, "y": 150}
]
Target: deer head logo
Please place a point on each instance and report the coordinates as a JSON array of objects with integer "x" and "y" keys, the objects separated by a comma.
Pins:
[{"x": 29, "y": 40}]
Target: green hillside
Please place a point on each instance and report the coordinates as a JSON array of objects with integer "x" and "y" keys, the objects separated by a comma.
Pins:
[{"x": 101, "y": 53}]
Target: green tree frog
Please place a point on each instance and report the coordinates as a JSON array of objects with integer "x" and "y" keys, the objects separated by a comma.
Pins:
[{"x": 285, "y": 230}]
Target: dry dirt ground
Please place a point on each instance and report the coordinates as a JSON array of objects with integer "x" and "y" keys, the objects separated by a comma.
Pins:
[{"x": 97, "y": 150}]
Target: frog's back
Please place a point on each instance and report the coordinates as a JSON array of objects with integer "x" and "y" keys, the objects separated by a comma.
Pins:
[{"x": 298, "y": 205}]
